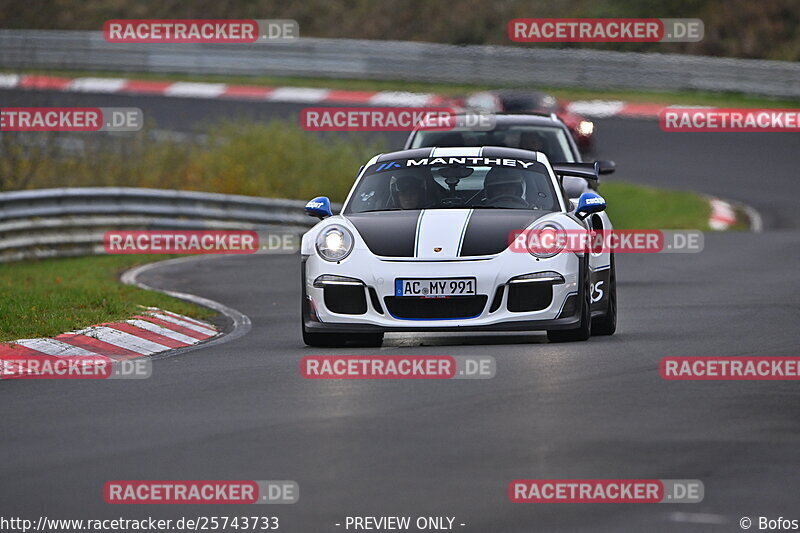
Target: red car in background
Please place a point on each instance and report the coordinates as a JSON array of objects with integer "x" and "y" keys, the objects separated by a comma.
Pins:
[{"x": 519, "y": 101}]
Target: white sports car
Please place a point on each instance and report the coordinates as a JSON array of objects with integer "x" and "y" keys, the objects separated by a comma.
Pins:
[{"x": 424, "y": 243}]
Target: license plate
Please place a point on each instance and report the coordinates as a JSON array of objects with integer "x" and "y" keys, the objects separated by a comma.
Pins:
[{"x": 435, "y": 288}]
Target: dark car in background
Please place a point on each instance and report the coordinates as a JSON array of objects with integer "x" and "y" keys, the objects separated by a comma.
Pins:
[
  {"x": 521, "y": 101},
  {"x": 533, "y": 131}
]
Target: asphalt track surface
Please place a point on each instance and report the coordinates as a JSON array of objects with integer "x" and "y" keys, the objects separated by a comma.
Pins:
[{"x": 597, "y": 409}]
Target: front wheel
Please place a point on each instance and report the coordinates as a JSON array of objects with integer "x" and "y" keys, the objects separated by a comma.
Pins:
[
  {"x": 338, "y": 340},
  {"x": 323, "y": 340},
  {"x": 584, "y": 329},
  {"x": 370, "y": 340}
]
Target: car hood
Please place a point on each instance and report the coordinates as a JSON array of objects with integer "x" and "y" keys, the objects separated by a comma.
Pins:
[{"x": 441, "y": 233}]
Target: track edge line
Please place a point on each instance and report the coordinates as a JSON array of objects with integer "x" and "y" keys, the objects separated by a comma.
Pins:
[{"x": 241, "y": 322}]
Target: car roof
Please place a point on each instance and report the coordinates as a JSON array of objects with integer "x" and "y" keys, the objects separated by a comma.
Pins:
[
  {"x": 468, "y": 151},
  {"x": 519, "y": 92},
  {"x": 505, "y": 120},
  {"x": 531, "y": 118}
]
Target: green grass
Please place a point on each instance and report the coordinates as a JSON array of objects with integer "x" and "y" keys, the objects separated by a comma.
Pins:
[
  {"x": 49, "y": 297},
  {"x": 274, "y": 159},
  {"x": 640, "y": 207},
  {"x": 453, "y": 89}
]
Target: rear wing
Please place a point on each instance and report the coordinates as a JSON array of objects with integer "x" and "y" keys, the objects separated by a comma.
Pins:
[{"x": 587, "y": 171}]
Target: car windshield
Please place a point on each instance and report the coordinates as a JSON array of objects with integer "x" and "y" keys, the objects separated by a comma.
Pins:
[
  {"x": 550, "y": 140},
  {"x": 454, "y": 183}
]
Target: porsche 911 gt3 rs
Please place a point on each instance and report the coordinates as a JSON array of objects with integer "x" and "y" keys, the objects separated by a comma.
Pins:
[{"x": 423, "y": 244}]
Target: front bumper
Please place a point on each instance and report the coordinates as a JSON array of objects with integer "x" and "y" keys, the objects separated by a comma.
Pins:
[{"x": 379, "y": 274}]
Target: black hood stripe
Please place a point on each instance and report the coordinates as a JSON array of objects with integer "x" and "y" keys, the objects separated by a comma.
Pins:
[
  {"x": 488, "y": 230},
  {"x": 388, "y": 233}
]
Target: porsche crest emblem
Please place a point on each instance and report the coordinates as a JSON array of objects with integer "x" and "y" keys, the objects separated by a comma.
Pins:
[{"x": 437, "y": 249}]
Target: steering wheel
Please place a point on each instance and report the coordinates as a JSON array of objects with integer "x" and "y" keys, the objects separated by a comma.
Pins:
[{"x": 510, "y": 199}]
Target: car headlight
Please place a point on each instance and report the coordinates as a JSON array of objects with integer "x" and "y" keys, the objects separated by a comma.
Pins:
[
  {"x": 585, "y": 128},
  {"x": 334, "y": 243},
  {"x": 546, "y": 240}
]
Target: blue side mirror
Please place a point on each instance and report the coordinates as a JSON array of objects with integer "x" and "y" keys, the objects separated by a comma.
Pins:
[
  {"x": 589, "y": 203},
  {"x": 319, "y": 207}
]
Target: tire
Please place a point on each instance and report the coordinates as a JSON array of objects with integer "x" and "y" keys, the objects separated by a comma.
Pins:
[
  {"x": 584, "y": 329},
  {"x": 607, "y": 323},
  {"x": 323, "y": 340},
  {"x": 338, "y": 340},
  {"x": 370, "y": 340}
]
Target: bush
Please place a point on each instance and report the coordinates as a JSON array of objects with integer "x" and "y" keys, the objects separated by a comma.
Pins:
[{"x": 276, "y": 159}]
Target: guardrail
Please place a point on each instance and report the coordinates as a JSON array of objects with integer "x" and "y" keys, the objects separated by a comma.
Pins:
[
  {"x": 72, "y": 221},
  {"x": 388, "y": 60}
]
